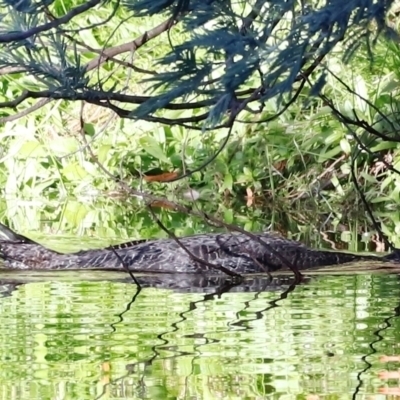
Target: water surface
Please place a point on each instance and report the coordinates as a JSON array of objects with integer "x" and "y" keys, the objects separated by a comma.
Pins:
[{"x": 331, "y": 337}]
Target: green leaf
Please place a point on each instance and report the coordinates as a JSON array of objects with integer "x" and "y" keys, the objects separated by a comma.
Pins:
[
  {"x": 345, "y": 146},
  {"x": 381, "y": 199},
  {"x": 384, "y": 146},
  {"x": 228, "y": 216},
  {"x": 89, "y": 129},
  {"x": 334, "y": 137},
  {"x": 346, "y": 236},
  {"x": 386, "y": 182},
  {"x": 152, "y": 147},
  {"x": 368, "y": 177},
  {"x": 75, "y": 212},
  {"x": 63, "y": 145},
  {"x": 329, "y": 154},
  {"x": 103, "y": 152},
  {"x": 40, "y": 187},
  {"x": 74, "y": 172},
  {"x": 32, "y": 149},
  {"x": 228, "y": 182}
]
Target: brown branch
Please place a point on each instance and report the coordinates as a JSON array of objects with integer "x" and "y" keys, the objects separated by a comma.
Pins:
[
  {"x": 97, "y": 95},
  {"x": 168, "y": 121},
  {"x": 18, "y": 36},
  {"x": 25, "y": 112},
  {"x": 11, "y": 70},
  {"x": 130, "y": 46},
  {"x": 102, "y": 53}
]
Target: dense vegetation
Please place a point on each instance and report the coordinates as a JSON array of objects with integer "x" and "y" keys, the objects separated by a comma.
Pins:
[{"x": 75, "y": 123}]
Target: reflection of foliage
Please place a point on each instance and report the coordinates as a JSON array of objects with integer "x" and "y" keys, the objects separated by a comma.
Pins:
[
  {"x": 60, "y": 332},
  {"x": 105, "y": 222}
]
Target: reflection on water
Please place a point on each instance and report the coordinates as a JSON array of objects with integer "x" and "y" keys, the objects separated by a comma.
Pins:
[{"x": 332, "y": 335}]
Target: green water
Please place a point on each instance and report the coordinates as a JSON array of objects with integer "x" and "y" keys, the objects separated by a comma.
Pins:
[{"x": 74, "y": 339}]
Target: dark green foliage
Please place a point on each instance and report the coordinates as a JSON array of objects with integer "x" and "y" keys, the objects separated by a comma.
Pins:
[
  {"x": 274, "y": 40},
  {"x": 227, "y": 45}
]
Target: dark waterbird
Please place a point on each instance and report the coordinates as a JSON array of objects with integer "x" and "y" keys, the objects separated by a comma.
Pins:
[{"x": 235, "y": 252}]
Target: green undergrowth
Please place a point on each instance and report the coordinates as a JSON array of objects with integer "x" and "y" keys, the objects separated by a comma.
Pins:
[{"x": 301, "y": 160}]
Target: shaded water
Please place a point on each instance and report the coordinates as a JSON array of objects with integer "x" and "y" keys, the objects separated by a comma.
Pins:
[{"x": 71, "y": 339}]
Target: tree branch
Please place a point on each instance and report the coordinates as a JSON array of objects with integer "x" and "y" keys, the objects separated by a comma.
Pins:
[{"x": 18, "y": 36}]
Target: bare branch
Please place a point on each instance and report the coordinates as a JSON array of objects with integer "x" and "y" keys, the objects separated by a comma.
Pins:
[
  {"x": 130, "y": 46},
  {"x": 25, "y": 112},
  {"x": 17, "y": 36}
]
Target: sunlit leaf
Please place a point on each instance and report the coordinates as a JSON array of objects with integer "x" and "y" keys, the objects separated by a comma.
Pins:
[{"x": 152, "y": 147}]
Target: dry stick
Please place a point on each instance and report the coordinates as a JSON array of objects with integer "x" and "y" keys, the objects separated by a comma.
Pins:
[
  {"x": 41, "y": 103},
  {"x": 111, "y": 52},
  {"x": 11, "y": 70},
  {"x": 102, "y": 53}
]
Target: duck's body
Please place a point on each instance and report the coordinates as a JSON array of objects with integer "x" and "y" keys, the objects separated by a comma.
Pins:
[{"x": 238, "y": 253}]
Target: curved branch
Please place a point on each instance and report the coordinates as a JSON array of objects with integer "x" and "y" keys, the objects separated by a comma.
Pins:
[
  {"x": 25, "y": 112},
  {"x": 98, "y": 95},
  {"x": 17, "y": 36},
  {"x": 130, "y": 46}
]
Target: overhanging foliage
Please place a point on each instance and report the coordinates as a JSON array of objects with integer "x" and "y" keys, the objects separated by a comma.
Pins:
[{"x": 229, "y": 56}]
